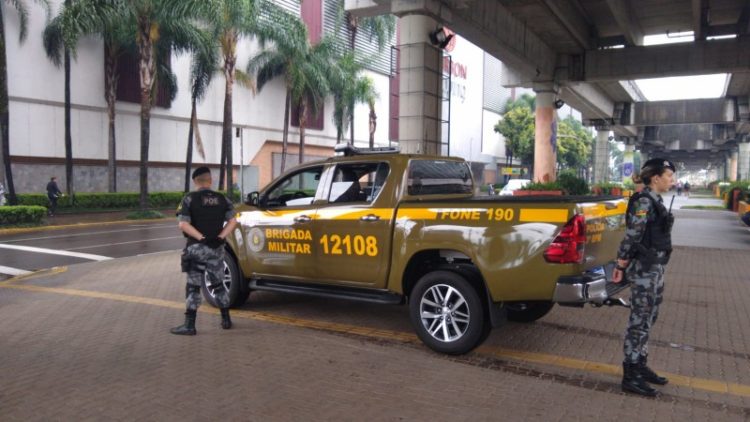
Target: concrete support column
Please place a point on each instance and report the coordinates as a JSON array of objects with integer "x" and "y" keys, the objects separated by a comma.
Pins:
[
  {"x": 743, "y": 164},
  {"x": 419, "y": 88},
  {"x": 601, "y": 156},
  {"x": 733, "y": 158},
  {"x": 545, "y": 138}
]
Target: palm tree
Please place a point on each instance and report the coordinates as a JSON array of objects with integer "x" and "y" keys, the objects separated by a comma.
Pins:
[
  {"x": 161, "y": 26},
  {"x": 23, "y": 18},
  {"x": 201, "y": 73},
  {"x": 304, "y": 68},
  {"x": 380, "y": 27},
  {"x": 237, "y": 18},
  {"x": 349, "y": 88},
  {"x": 92, "y": 17}
]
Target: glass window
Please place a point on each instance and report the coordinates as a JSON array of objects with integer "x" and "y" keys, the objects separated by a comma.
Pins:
[
  {"x": 358, "y": 182},
  {"x": 439, "y": 177},
  {"x": 296, "y": 189}
]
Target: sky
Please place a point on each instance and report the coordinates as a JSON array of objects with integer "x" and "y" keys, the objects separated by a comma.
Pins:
[{"x": 682, "y": 87}]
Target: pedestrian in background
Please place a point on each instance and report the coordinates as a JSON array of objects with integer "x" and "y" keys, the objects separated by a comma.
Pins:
[
  {"x": 53, "y": 193},
  {"x": 201, "y": 215},
  {"x": 686, "y": 187},
  {"x": 641, "y": 258},
  {"x": 490, "y": 189}
]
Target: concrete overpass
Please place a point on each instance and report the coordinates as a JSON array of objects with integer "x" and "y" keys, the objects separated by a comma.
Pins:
[{"x": 587, "y": 53}]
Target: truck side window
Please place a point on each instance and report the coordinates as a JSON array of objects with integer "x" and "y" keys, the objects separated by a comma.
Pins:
[
  {"x": 439, "y": 177},
  {"x": 357, "y": 182},
  {"x": 295, "y": 190}
]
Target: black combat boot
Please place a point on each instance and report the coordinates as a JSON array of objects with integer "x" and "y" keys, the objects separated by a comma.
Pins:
[
  {"x": 226, "y": 322},
  {"x": 633, "y": 382},
  {"x": 649, "y": 375},
  {"x": 188, "y": 328}
]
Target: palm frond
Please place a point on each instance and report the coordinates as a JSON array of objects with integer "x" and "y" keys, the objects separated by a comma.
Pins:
[
  {"x": 23, "y": 18},
  {"x": 52, "y": 39},
  {"x": 245, "y": 80}
]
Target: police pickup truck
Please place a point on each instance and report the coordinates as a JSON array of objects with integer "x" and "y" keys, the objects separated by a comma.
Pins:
[{"x": 379, "y": 226}]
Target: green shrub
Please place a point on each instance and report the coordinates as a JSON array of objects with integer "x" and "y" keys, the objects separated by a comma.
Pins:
[
  {"x": 104, "y": 200},
  {"x": 572, "y": 184},
  {"x": 21, "y": 214},
  {"x": 543, "y": 186}
]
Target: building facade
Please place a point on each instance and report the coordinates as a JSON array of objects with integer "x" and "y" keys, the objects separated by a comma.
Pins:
[{"x": 37, "y": 106}]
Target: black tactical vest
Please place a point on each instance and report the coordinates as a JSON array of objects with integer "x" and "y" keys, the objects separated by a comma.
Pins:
[
  {"x": 207, "y": 210},
  {"x": 658, "y": 236}
]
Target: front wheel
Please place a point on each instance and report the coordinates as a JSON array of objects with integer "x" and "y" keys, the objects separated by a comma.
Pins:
[
  {"x": 231, "y": 281},
  {"x": 447, "y": 313}
]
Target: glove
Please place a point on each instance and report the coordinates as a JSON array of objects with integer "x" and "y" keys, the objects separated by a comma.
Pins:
[{"x": 214, "y": 242}]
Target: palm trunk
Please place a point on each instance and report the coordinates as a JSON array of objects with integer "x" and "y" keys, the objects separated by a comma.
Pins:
[
  {"x": 147, "y": 69},
  {"x": 111, "y": 94},
  {"x": 4, "y": 116},
  {"x": 226, "y": 133},
  {"x": 373, "y": 125},
  {"x": 285, "y": 136},
  {"x": 353, "y": 27},
  {"x": 189, "y": 157},
  {"x": 68, "y": 141},
  {"x": 302, "y": 124}
]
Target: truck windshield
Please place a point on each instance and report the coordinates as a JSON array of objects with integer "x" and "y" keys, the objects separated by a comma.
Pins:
[{"x": 438, "y": 177}]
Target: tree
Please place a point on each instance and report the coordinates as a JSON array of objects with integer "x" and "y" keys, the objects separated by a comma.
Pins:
[
  {"x": 517, "y": 127},
  {"x": 21, "y": 7},
  {"x": 349, "y": 88},
  {"x": 201, "y": 72},
  {"x": 305, "y": 70},
  {"x": 160, "y": 27},
  {"x": 525, "y": 100},
  {"x": 574, "y": 144},
  {"x": 83, "y": 18},
  {"x": 236, "y": 18}
]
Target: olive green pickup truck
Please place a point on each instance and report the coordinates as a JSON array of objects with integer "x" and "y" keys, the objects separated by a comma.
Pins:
[{"x": 384, "y": 227}]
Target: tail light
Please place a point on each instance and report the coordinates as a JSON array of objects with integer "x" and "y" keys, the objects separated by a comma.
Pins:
[{"x": 567, "y": 248}]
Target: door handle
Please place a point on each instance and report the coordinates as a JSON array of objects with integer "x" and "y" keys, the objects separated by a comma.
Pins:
[
  {"x": 370, "y": 217},
  {"x": 302, "y": 219}
]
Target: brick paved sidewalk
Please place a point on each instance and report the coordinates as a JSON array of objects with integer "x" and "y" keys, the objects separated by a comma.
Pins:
[{"x": 92, "y": 343}]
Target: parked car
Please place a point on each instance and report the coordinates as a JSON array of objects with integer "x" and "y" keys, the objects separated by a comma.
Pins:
[{"x": 513, "y": 184}]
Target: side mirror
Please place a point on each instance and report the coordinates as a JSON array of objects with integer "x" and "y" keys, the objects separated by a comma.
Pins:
[{"x": 253, "y": 198}]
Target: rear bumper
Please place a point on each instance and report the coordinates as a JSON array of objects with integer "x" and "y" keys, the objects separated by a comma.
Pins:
[{"x": 593, "y": 287}]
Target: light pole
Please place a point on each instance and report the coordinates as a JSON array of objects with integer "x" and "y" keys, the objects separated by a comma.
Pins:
[{"x": 239, "y": 134}]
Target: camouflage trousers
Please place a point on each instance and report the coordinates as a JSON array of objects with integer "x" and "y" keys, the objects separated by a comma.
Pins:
[
  {"x": 211, "y": 268},
  {"x": 647, "y": 290}
]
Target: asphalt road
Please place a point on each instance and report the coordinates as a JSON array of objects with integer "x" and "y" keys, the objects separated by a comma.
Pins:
[{"x": 48, "y": 248}]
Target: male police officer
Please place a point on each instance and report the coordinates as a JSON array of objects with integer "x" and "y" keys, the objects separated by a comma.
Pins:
[
  {"x": 201, "y": 216},
  {"x": 643, "y": 253}
]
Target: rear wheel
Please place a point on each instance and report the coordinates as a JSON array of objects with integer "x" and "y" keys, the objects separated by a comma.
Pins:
[
  {"x": 231, "y": 282},
  {"x": 447, "y": 313},
  {"x": 528, "y": 311}
]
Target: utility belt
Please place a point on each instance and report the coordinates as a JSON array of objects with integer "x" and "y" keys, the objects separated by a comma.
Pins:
[
  {"x": 649, "y": 257},
  {"x": 189, "y": 263}
]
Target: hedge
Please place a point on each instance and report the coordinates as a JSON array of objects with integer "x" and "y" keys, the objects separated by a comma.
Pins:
[
  {"x": 104, "y": 200},
  {"x": 21, "y": 214}
]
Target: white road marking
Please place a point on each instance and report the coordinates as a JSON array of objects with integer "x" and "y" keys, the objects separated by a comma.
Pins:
[
  {"x": 173, "y": 226},
  {"x": 55, "y": 252},
  {"x": 125, "y": 243},
  {"x": 13, "y": 271}
]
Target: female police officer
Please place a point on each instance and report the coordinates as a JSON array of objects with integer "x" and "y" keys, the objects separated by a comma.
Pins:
[{"x": 641, "y": 258}]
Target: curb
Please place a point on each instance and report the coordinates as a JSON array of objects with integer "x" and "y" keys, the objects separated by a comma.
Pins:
[{"x": 78, "y": 225}]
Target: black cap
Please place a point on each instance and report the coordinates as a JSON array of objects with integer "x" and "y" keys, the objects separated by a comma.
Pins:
[
  {"x": 659, "y": 163},
  {"x": 200, "y": 170}
]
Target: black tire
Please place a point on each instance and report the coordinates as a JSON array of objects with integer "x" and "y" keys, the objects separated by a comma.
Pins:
[
  {"x": 462, "y": 325},
  {"x": 528, "y": 311},
  {"x": 233, "y": 282}
]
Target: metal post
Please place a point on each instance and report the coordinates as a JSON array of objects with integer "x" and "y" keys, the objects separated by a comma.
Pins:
[{"x": 239, "y": 133}]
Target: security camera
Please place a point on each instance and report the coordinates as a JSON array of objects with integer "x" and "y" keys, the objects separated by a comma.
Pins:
[
  {"x": 440, "y": 37},
  {"x": 611, "y": 138},
  {"x": 559, "y": 103}
]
